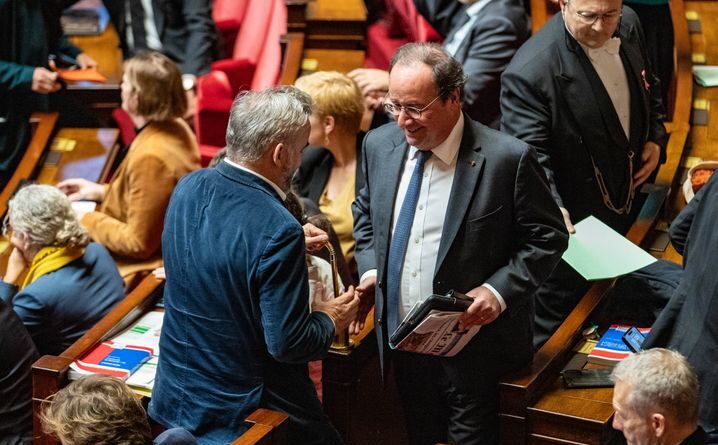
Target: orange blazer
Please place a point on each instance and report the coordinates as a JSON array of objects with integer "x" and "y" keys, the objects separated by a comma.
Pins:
[{"x": 130, "y": 219}]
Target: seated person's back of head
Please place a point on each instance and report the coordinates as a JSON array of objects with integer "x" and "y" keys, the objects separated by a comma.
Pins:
[{"x": 103, "y": 409}]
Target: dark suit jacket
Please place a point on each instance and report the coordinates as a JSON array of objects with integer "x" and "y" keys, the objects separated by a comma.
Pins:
[
  {"x": 688, "y": 323},
  {"x": 237, "y": 332},
  {"x": 553, "y": 99},
  {"x": 501, "y": 27},
  {"x": 502, "y": 228},
  {"x": 185, "y": 28},
  {"x": 17, "y": 354},
  {"x": 60, "y": 307}
]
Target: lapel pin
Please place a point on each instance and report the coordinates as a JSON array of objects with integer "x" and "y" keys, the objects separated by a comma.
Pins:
[{"x": 472, "y": 163}]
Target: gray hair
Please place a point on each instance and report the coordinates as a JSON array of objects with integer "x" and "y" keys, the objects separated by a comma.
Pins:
[
  {"x": 262, "y": 119},
  {"x": 447, "y": 72},
  {"x": 44, "y": 214},
  {"x": 660, "y": 378}
]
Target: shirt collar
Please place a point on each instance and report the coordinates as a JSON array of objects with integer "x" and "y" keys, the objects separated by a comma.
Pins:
[
  {"x": 276, "y": 188},
  {"x": 448, "y": 150}
]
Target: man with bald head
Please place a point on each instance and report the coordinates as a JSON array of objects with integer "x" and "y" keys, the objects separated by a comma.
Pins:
[
  {"x": 449, "y": 203},
  {"x": 582, "y": 93}
]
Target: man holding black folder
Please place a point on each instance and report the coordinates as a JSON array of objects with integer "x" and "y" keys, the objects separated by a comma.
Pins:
[{"x": 451, "y": 204}]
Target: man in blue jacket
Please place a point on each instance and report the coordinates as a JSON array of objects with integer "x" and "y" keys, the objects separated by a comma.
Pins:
[{"x": 238, "y": 331}]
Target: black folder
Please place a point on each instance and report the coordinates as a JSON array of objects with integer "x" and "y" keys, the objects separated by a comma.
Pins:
[{"x": 451, "y": 302}]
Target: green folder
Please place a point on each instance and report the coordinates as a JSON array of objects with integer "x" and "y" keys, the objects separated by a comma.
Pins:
[
  {"x": 598, "y": 252},
  {"x": 706, "y": 76}
]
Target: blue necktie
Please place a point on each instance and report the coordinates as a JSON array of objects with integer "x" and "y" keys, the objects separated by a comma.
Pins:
[{"x": 400, "y": 240}]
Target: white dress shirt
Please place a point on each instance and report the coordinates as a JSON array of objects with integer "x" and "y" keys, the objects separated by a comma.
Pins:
[
  {"x": 609, "y": 67},
  {"x": 417, "y": 276},
  {"x": 459, "y": 36}
]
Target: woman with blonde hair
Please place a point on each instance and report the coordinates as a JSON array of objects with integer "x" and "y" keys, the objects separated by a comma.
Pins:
[
  {"x": 69, "y": 283},
  {"x": 130, "y": 216},
  {"x": 330, "y": 174}
]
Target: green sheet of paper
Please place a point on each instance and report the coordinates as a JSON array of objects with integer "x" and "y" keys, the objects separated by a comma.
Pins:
[
  {"x": 598, "y": 252},
  {"x": 706, "y": 76}
]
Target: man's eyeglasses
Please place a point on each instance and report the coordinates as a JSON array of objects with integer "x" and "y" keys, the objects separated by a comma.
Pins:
[
  {"x": 412, "y": 112},
  {"x": 589, "y": 18},
  {"x": 6, "y": 228}
]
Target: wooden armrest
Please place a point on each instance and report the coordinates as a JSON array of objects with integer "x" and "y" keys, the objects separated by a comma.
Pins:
[
  {"x": 44, "y": 127},
  {"x": 292, "y": 49},
  {"x": 268, "y": 428}
]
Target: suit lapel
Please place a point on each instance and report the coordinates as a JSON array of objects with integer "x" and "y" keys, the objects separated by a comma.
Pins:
[
  {"x": 159, "y": 15},
  {"x": 636, "y": 71},
  {"x": 469, "y": 165},
  {"x": 387, "y": 188}
]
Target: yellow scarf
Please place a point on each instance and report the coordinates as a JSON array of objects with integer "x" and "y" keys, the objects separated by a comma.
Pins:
[{"x": 50, "y": 259}]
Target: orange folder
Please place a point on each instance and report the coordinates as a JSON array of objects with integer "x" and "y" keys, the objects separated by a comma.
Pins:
[{"x": 87, "y": 74}]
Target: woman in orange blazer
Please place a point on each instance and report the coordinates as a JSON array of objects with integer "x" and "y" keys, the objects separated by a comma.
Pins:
[{"x": 130, "y": 216}]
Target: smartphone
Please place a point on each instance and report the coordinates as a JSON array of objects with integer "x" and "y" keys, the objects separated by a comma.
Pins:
[{"x": 633, "y": 338}]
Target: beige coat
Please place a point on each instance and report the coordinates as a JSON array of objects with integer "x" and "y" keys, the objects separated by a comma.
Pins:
[{"x": 130, "y": 219}]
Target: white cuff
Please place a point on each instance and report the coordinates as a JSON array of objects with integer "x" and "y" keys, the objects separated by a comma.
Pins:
[{"x": 498, "y": 296}]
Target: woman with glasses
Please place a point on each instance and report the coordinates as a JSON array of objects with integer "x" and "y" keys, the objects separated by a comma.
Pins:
[
  {"x": 57, "y": 281},
  {"x": 130, "y": 216},
  {"x": 330, "y": 176}
]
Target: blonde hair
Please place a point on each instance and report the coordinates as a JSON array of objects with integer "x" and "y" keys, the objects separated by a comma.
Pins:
[
  {"x": 335, "y": 94},
  {"x": 96, "y": 409},
  {"x": 44, "y": 214},
  {"x": 157, "y": 82}
]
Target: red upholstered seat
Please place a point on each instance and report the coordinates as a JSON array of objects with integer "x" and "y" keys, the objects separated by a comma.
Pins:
[
  {"x": 255, "y": 64},
  {"x": 401, "y": 24},
  {"x": 125, "y": 125},
  {"x": 228, "y": 16}
]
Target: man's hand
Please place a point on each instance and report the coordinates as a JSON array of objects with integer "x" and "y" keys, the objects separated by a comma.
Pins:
[
  {"x": 342, "y": 310},
  {"x": 567, "y": 220},
  {"x": 370, "y": 79},
  {"x": 483, "y": 310},
  {"x": 85, "y": 61},
  {"x": 650, "y": 157},
  {"x": 79, "y": 189},
  {"x": 15, "y": 266},
  {"x": 314, "y": 237},
  {"x": 366, "y": 292},
  {"x": 44, "y": 81}
]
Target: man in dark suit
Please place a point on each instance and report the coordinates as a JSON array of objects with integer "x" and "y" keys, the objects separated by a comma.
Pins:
[
  {"x": 182, "y": 30},
  {"x": 238, "y": 331},
  {"x": 582, "y": 93},
  {"x": 451, "y": 204},
  {"x": 688, "y": 323},
  {"x": 483, "y": 35}
]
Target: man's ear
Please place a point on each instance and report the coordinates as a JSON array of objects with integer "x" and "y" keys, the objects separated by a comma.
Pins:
[
  {"x": 658, "y": 424},
  {"x": 279, "y": 154}
]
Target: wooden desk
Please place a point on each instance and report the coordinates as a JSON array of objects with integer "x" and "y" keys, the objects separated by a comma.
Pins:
[
  {"x": 87, "y": 153},
  {"x": 332, "y": 24},
  {"x": 335, "y": 60}
]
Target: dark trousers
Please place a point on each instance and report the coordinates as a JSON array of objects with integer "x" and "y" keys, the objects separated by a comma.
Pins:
[
  {"x": 447, "y": 400},
  {"x": 658, "y": 30},
  {"x": 555, "y": 299}
]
